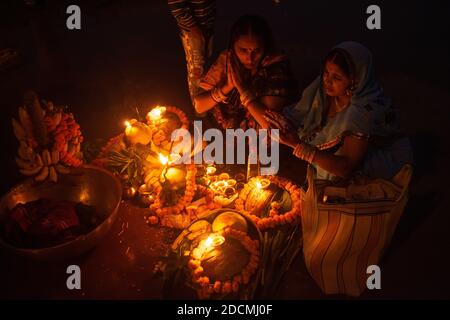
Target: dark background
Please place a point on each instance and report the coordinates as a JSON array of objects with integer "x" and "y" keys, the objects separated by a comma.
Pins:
[{"x": 128, "y": 54}]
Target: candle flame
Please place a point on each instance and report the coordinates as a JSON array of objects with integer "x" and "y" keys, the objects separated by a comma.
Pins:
[
  {"x": 163, "y": 159},
  {"x": 208, "y": 242},
  {"x": 210, "y": 170},
  {"x": 262, "y": 183},
  {"x": 155, "y": 113},
  {"x": 127, "y": 124},
  {"x": 214, "y": 240}
]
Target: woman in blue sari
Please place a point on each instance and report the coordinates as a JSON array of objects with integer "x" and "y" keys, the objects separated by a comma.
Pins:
[{"x": 343, "y": 123}]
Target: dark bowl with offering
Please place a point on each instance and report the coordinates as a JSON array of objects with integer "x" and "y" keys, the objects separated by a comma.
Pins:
[{"x": 52, "y": 221}]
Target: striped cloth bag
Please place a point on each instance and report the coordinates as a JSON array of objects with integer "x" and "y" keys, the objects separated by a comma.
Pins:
[{"x": 341, "y": 240}]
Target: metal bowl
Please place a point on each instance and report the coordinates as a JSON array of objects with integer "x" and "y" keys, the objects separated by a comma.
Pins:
[{"x": 88, "y": 184}]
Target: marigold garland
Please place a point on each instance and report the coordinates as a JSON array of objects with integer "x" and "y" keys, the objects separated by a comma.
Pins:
[
  {"x": 49, "y": 138},
  {"x": 210, "y": 204},
  {"x": 162, "y": 210},
  {"x": 68, "y": 138},
  {"x": 159, "y": 136},
  {"x": 275, "y": 218},
  {"x": 206, "y": 287}
]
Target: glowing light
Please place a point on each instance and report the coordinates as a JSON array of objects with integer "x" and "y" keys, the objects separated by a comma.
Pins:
[
  {"x": 208, "y": 242},
  {"x": 262, "y": 183},
  {"x": 163, "y": 159},
  {"x": 213, "y": 240},
  {"x": 127, "y": 124},
  {"x": 156, "y": 113},
  {"x": 210, "y": 170}
]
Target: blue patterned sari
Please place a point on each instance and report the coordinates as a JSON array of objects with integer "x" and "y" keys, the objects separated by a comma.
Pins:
[{"x": 369, "y": 115}]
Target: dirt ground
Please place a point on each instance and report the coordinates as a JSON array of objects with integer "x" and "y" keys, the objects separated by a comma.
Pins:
[{"x": 128, "y": 54}]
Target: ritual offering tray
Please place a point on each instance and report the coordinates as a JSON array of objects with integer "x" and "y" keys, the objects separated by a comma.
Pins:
[{"x": 217, "y": 256}]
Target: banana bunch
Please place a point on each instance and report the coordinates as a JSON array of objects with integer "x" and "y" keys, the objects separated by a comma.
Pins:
[{"x": 43, "y": 165}]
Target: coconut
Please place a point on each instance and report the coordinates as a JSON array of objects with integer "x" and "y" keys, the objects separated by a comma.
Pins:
[{"x": 229, "y": 219}]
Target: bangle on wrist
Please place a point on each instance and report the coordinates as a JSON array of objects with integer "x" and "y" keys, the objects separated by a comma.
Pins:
[
  {"x": 305, "y": 152},
  {"x": 217, "y": 95},
  {"x": 247, "y": 98}
]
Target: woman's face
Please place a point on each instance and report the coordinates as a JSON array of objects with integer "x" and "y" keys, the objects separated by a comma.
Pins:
[
  {"x": 249, "y": 50},
  {"x": 335, "y": 81}
]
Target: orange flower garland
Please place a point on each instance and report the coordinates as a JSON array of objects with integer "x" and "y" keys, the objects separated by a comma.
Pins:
[
  {"x": 209, "y": 199},
  {"x": 67, "y": 137},
  {"x": 180, "y": 114},
  {"x": 206, "y": 287},
  {"x": 275, "y": 218},
  {"x": 189, "y": 193},
  {"x": 158, "y": 135}
]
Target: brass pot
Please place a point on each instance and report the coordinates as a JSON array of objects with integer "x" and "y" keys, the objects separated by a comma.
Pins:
[{"x": 88, "y": 184}]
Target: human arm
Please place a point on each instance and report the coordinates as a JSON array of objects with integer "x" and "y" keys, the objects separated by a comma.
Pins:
[
  {"x": 255, "y": 106},
  {"x": 340, "y": 164}
]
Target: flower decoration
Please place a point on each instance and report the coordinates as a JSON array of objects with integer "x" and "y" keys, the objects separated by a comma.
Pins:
[
  {"x": 275, "y": 217},
  {"x": 206, "y": 286}
]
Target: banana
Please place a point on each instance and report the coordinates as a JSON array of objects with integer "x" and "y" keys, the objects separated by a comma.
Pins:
[
  {"x": 52, "y": 174},
  {"x": 32, "y": 172},
  {"x": 57, "y": 118},
  {"x": 38, "y": 160},
  {"x": 71, "y": 149},
  {"x": 66, "y": 147},
  {"x": 62, "y": 169},
  {"x": 43, "y": 174},
  {"x": 30, "y": 153},
  {"x": 55, "y": 156},
  {"x": 25, "y": 120},
  {"x": 77, "y": 148},
  {"x": 147, "y": 178},
  {"x": 50, "y": 106},
  {"x": 23, "y": 152},
  {"x": 46, "y": 157},
  {"x": 19, "y": 131},
  {"x": 23, "y": 164}
]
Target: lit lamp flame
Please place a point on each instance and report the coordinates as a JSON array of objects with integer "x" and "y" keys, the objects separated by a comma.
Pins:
[
  {"x": 163, "y": 159},
  {"x": 155, "y": 113},
  {"x": 262, "y": 183},
  {"x": 214, "y": 240},
  {"x": 210, "y": 170},
  {"x": 127, "y": 124},
  {"x": 207, "y": 245}
]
